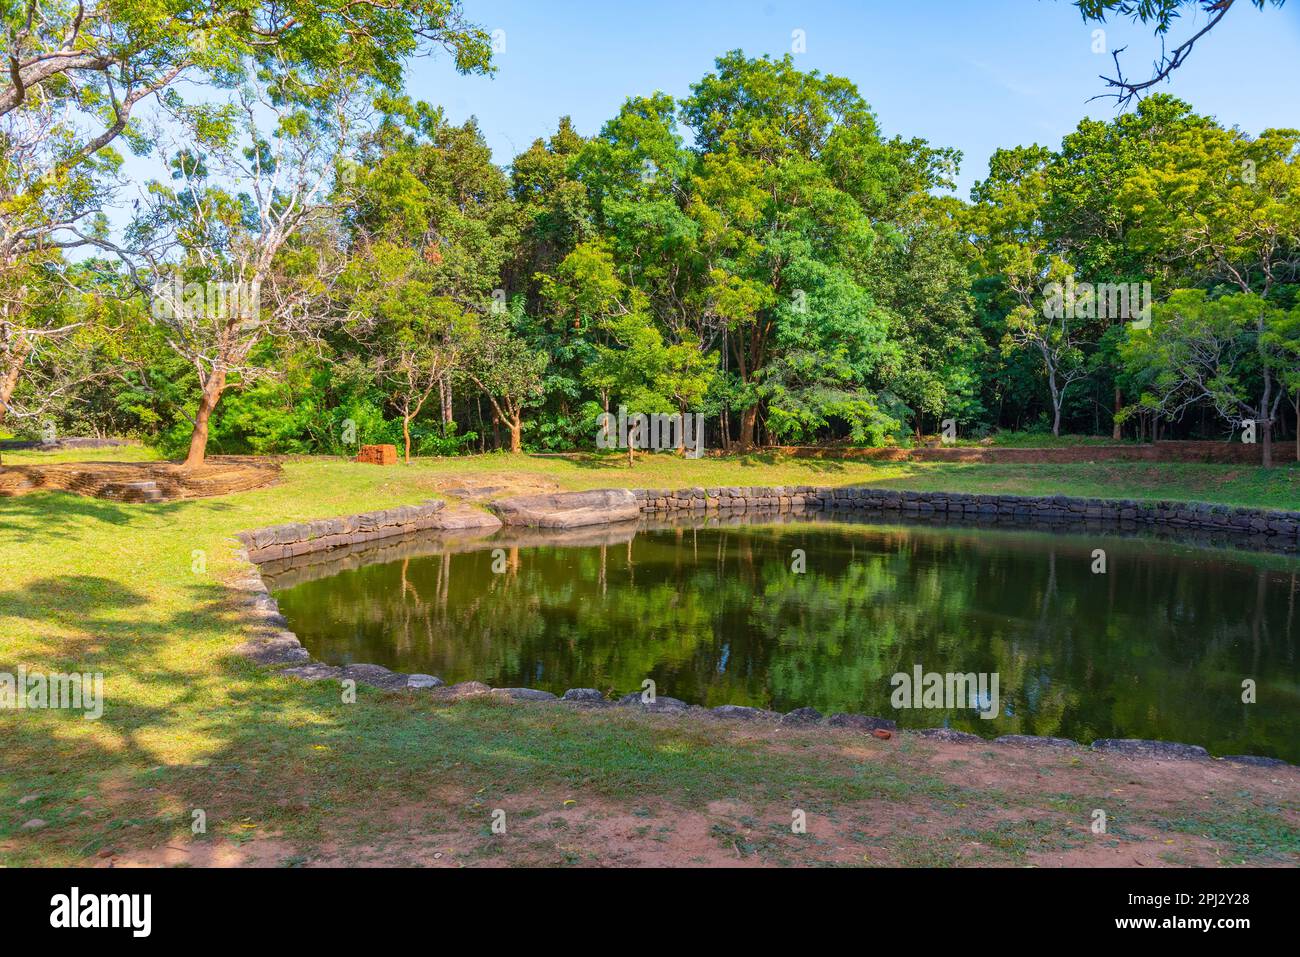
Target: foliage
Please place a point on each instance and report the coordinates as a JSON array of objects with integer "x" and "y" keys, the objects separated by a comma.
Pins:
[{"x": 759, "y": 252}]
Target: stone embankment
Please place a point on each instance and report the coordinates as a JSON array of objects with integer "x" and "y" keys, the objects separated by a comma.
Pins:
[{"x": 570, "y": 509}]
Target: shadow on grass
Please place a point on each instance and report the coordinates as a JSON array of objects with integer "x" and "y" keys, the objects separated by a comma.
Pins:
[{"x": 39, "y": 515}]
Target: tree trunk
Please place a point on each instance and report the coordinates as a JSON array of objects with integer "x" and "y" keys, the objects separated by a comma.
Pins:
[
  {"x": 1117, "y": 431},
  {"x": 13, "y": 370},
  {"x": 199, "y": 439},
  {"x": 406, "y": 436},
  {"x": 516, "y": 433},
  {"x": 1057, "y": 400},
  {"x": 444, "y": 394},
  {"x": 748, "y": 420},
  {"x": 1266, "y": 419}
]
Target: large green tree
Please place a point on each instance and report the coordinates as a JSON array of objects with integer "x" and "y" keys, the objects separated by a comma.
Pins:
[
  {"x": 1224, "y": 208},
  {"x": 1230, "y": 352},
  {"x": 763, "y": 240},
  {"x": 430, "y": 193}
]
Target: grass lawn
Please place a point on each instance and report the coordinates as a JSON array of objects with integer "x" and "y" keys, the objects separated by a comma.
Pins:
[{"x": 288, "y": 774}]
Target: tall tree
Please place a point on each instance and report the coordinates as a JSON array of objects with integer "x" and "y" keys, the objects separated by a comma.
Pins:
[
  {"x": 1230, "y": 352},
  {"x": 243, "y": 246},
  {"x": 412, "y": 334},
  {"x": 791, "y": 178},
  {"x": 1222, "y": 206},
  {"x": 1086, "y": 221},
  {"x": 1009, "y": 224},
  {"x": 432, "y": 188},
  {"x": 507, "y": 368},
  {"x": 632, "y": 360}
]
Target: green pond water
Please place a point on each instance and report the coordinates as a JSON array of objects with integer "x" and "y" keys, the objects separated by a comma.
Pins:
[{"x": 1156, "y": 647}]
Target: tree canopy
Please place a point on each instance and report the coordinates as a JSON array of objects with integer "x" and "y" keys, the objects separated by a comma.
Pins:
[{"x": 759, "y": 251}]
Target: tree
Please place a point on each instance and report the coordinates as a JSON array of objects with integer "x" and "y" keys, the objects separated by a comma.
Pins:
[
  {"x": 432, "y": 189},
  {"x": 1051, "y": 330},
  {"x": 31, "y": 318},
  {"x": 1009, "y": 224},
  {"x": 41, "y": 193},
  {"x": 1086, "y": 220},
  {"x": 553, "y": 209},
  {"x": 1222, "y": 207},
  {"x": 553, "y": 213},
  {"x": 77, "y": 72},
  {"x": 632, "y": 361},
  {"x": 223, "y": 269},
  {"x": 508, "y": 370},
  {"x": 1228, "y": 352},
  {"x": 920, "y": 293},
  {"x": 36, "y": 324},
  {"x": 1281, "y": 342},
  {"x": 791, "y": 171},
  {"x": 107, "y": 57},
  {"x": 411, "y": 334},
  {"x": 831, "y": 345}
]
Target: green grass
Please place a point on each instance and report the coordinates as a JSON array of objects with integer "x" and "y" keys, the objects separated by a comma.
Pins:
[
  {"x": 1253, "y": 833},
  {"x": 126, "y": 453},
  {"x": 339, "y": 480},
  {"x": 136, "y": 592}
]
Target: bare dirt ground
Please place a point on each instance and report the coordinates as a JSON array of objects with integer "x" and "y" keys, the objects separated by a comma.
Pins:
[{"x": 971, "y": 805}]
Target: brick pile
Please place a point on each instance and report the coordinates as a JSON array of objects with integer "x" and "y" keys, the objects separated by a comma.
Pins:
[{"x": 377, "y": 455}]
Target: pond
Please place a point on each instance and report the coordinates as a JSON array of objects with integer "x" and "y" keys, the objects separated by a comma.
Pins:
[{"x": 825, "y": 612}]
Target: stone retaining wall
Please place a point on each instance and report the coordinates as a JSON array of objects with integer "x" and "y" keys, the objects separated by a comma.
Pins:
[
  {"x": 1282, "y": 529},
  {"x": 569, "y": 509},
  {"x": 290, "y": 541},
  {"x": 288, "y": 572}
]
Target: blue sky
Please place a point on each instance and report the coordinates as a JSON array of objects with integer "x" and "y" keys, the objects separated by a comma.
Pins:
[{"x": 973, "y": 74}]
